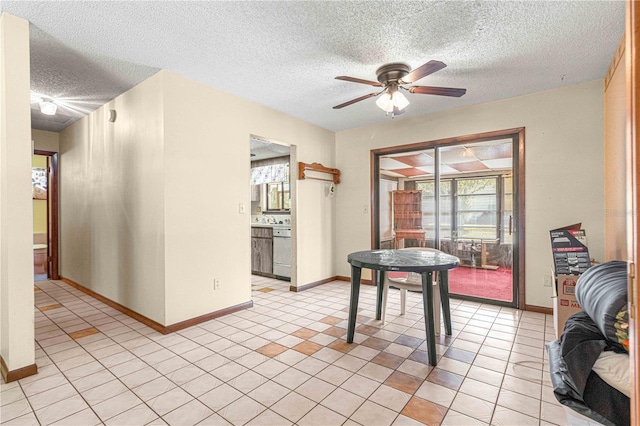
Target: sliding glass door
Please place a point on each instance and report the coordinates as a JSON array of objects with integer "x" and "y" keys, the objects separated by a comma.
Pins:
[{"x": 467, "y": 210}]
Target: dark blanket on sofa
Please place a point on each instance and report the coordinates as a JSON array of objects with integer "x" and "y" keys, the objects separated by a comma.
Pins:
[
  {"x": 575, "y": 385},
  {"x": 602, "y": 293}
]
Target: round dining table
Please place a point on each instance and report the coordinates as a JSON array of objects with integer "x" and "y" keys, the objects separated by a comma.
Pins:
[{"x": 418, "y": 261}]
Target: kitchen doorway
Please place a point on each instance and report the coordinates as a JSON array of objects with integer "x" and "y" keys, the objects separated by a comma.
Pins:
[
  {"x": 44, "y": 178},
  {"x": 273, "y": 213},
  {"x": 464, "y": 196}
]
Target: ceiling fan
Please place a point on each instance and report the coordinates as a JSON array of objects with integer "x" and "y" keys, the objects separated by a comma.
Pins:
[{"x": 392, "y": 78}]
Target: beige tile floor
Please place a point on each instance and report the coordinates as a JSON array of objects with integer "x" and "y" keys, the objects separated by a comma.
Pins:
[{"x": 283, "y": 362}]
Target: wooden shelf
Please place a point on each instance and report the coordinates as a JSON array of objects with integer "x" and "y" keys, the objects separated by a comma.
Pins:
[
  {"x": 407, "y": 215},
  {"x": 317, "y": 167}
]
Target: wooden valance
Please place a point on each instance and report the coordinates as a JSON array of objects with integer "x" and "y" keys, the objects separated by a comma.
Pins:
[{"x": 317, "y": 167}]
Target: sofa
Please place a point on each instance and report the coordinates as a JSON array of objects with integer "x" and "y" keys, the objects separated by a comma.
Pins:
[{"x": 589, "y": 363}]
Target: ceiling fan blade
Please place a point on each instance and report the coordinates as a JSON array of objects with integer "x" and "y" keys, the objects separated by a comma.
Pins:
[
  {"x": 358, "y": 80},
  {"x": 441, "y": 91},
  {"x": 423, "y": 71},
  {"x": 353, "y": 101}
]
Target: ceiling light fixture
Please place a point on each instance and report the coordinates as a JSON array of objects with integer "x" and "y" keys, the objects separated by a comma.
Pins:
[
  {"x": 393, "y": 77},
  {"x": 392, "y": 101},
  {"x": 47, "y": 107}
]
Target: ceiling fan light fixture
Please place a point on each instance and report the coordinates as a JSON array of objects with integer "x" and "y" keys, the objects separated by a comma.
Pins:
[
  {"x": 388, "y": 101},
  {"x": 385, "y": 103},
  {"x": 393, "y": 77},
  {"x": 400, "y": 101},
  {"x": 48, "y": 107}
]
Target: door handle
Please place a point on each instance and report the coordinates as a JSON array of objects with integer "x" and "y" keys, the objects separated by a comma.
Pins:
[{"x": 510, "y": 224}]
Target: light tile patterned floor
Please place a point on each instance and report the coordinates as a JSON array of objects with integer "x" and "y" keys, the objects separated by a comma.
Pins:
[{"x": 283, "y": 362}]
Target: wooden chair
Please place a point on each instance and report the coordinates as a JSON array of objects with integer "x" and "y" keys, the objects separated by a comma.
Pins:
[{"x": 413, "y": 282}]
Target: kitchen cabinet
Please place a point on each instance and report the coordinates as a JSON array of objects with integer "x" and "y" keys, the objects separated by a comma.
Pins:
[
  {"x": 262, "y": 251},
  {"x": 255, "y": 192}
]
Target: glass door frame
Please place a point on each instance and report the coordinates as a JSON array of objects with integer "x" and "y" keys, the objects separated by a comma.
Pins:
[{"x": 518, "y": 138}]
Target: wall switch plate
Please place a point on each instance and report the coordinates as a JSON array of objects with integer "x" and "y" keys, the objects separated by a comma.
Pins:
[
  {"x": 547, "y": 280},
  {"x": 241, "y": 208}
]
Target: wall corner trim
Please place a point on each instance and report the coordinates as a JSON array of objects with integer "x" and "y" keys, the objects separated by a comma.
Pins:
[
  {"x": 304, "y": 287},
  {"x": 539, "y": 309},
  {"x": 151, "y": 323},
  {"x": 347, "y": 279},
  {"x": 20, "y": 373},
  {"x": 207, "y": 317}
]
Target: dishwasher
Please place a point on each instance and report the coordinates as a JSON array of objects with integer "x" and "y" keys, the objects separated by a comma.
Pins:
[{"x": 282, "y": 253}]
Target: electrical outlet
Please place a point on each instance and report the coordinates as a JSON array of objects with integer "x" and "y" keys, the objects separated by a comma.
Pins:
[
  {"x": 547, "y": 280},
  {"x": 216, "y": 284}
]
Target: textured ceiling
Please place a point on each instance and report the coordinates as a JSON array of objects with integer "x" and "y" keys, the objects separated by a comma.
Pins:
[
  {"x": 261, "y": 149},
  {"x": 285, "y": 55}
]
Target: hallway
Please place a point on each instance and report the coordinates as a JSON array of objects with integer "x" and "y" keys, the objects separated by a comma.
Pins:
[{"x": 282, "y": 362}]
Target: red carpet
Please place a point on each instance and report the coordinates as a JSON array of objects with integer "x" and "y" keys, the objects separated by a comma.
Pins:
[{"x": 485, "y": 283}]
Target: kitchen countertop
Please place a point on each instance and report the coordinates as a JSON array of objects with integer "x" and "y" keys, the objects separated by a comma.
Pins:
[{"x": 271, "y": 225}]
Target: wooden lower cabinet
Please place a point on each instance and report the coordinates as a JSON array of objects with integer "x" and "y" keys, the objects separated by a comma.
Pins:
[
  {"x": 262, "y": 251},
  {"x": 40, "y": 260}
]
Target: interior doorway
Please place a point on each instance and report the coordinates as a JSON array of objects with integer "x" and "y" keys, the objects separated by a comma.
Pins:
[
  {"x": 273, "y": 213},
  {"x": 44, "y": 178},
  {"x": 463, "y": 196}
]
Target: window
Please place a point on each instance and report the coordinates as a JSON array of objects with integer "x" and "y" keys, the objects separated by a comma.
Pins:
[
  {"x": 429, "y": 208},
  {"x": 470, "y": 208},
  {"x": 477, "y": 210},
  {"x": 273, "y": 180},
  {"x": 278, "y": 196}
]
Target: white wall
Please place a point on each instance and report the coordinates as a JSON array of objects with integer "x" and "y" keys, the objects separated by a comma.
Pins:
[
  {"x": 16, "y": 207},
  {"x": 150, "y": 204},
  {"x": 45, "y": 141},
  {"x": 563, "y": 169},
  {"x": 111, "y": 197},
  {"x": 207, "y": 163}
]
